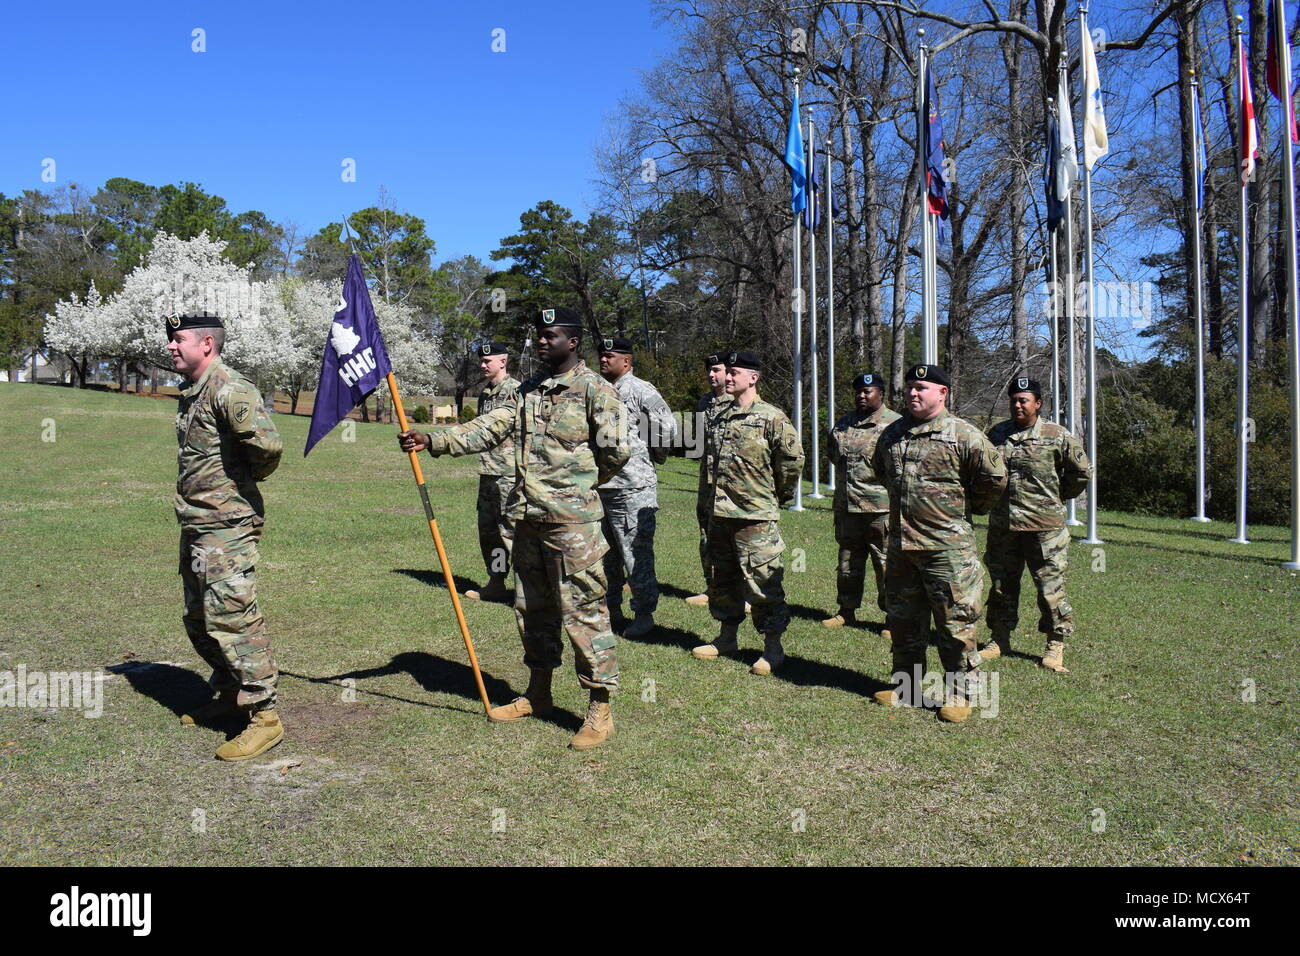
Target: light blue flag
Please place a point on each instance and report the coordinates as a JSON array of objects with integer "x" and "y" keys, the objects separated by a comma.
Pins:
[{"x": 794, "y": 159}]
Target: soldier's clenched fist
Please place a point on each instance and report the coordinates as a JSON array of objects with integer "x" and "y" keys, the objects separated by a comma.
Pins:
[{"x": 413, "y": 440}]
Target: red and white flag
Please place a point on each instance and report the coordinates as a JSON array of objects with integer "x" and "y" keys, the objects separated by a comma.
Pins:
[{"x": 1249, "y": 137}]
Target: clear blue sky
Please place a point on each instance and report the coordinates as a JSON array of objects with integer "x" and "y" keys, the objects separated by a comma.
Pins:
[{"x": 463, "y": 137}]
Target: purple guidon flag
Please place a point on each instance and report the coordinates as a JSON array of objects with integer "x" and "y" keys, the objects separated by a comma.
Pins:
[{"x": 355, "y": 360}]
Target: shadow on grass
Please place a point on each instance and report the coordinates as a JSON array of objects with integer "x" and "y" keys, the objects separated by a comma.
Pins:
[
  {"x": 178, "y": 689},
  {"x": 801, "y": 611},
  {"x": 1255, "y": 538},
  {"x": 437, "y": 580},
  {"x": 1218, "y": 555},
  {"x": 433, "y": 673}
]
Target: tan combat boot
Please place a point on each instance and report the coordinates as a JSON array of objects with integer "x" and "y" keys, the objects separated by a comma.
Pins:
[
  {"x": 698, "y": 600},
  {"x": 535, "y": 702},
  {"x": 599, "y": 725},
  {"x": 999, "y": 644},
  {"x": 725, "y": 644},
  {"x": 955, "y": 709},
  {"x": 495, "y": 592},
  {"x": 263, "y": 732},
  {"x": 1054, "y": 657},
  {"x": 845, "y": 616},
  {"x": 773, "y": 655},
  {"x": 223, "y": 705}
]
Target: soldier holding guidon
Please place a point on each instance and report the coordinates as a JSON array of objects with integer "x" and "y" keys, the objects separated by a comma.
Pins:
[
  {"x": 938, "y": 468},
  {"x": 629, "y": 499},
  {"x": 753, "y": 460},
  {"x": 861, "y": 500},
  {"x": 565, "y": 423},
  {"x": 1046, "y": 466},
  {"x": 227, "y": 444},
  {"x": 496, "y": 473}
]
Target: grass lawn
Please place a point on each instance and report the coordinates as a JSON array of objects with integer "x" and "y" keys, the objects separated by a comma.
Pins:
[{"x": 1145, "y": 753}]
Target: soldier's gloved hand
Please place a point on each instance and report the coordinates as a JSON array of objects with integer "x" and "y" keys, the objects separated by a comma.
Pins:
[{"x": 413, "y": 440}]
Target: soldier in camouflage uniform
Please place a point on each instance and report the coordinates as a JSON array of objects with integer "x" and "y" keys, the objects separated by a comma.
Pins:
[
  {"x": 227, "y": 443},
  {"x": 1047, "y": 466},
  {"x": 496, "y": 475},
  {"x": 629, "y": 498},
  {"x": 566, "y": 426},
  {"x": 716, "y": 368},
  {"x": 861, "y": 501},
  {"x": 938, "y": 469},
  {"x": 754, "y": 462}
]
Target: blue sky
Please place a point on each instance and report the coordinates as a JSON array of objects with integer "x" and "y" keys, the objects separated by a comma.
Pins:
[{"x": 462, "y": 136}]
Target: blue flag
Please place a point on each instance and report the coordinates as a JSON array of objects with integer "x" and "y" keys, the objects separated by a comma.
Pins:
[
  {"x": 1202, "y": 158},
  {"x": 1055, "y": 202},
  {"x": 355, "y": 360},
  {"x": 936, "y": 186},
  {"x": 794, "y": 159}
]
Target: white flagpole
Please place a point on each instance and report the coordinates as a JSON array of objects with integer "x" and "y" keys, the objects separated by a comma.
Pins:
[
  {"x": 1243, "y": 295},
  {"x": 830, "y": 312},
  {"x": 1055, "y": 313},
  {"x": 1091, "y": 333},
  {"x": 1283, "y": 54},
  {"x": 812, "y": 312},
  {"x": 1071, "y": 335},
  {"x": 796, "y": 297},
  {"x": 929, "y": 322},
  {"x": 1198, "y": 312}
]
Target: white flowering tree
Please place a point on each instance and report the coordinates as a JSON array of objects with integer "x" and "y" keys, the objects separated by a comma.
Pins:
[{"x": 83, "y": 330}]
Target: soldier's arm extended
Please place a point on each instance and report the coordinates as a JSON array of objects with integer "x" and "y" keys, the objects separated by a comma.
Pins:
[
  {"x": 787, "y": 459},
  {"x": 606, "y": 414},
  {"x": 1074, "y": 468},
  {"x": 985, "y": 473},
  {"x": 833, "y": 445},
  {"x": 479, "y": 434},
  {"x": 240, "y": 412}
]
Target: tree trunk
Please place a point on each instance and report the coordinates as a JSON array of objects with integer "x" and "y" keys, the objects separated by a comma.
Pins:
[{"x": 1260, "y": 192}]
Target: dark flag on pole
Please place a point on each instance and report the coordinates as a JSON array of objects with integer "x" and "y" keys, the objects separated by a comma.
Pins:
[
  {"x": 1055, "y": 202},
  {"x": 355, "y": 360},
  {"x": 936, "y": 185},
  {"x": 1279, "y": 85},
  {"x": 812, "y": 214}
]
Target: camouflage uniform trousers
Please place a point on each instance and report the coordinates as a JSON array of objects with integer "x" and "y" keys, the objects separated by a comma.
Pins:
[
  {"x": 218, "y": 570},
  {"x": 947, "y": 584},
  {"x": 1045, "y": 552},
  {"x": 629, "y": 525},
  {"x": 703, "y": 512},
  {"x": 745, "y": 565},
  {"x": 495, "y": 530},
  {"x": 560, "y": 587},
  {"x": 861, "y": 535}
]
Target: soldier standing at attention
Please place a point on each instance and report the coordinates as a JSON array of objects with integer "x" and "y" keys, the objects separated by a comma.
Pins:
[
  {"x": 861, "y": 501},
  {"x": 496, "y": 475},
  {"x": 716, "y": 367},
  {"x": 565, "y": 422},
  {"x": 754, "y": 461},
  {"x": 1046, "y": 465},
  {"x": 227, "y": 443},
  {"x": 938, "y": 469},
  {"x": 629, "y": 499}
]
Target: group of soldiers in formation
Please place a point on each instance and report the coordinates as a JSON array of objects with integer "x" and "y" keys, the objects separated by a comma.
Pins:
[{"x": 567, "y": 495}]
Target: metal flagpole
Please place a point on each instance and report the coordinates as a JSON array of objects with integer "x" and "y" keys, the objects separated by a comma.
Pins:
[
  {"x": 796, "y": 297},
  {"x": 1071, "y": 335},
  {"x": 1243, "y": 289},
  {"x": 1054, "y": 290},
  {"x": 830, "y": 312},
  {"x": 1198, "y": 311},
  {"x": 1283, "y": 54},
  {"x": 1091, "y": 333},
  {"x": 812, "y": 312},
  {"x": 929, "y": 324}
]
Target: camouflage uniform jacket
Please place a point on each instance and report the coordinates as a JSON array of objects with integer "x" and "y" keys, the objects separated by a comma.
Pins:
[
  {"x": 753, "y": 459},
  {"x": 648, "y": 415},
  {"x": 852, "y": 441},
  {"x": 566, "y": 443},
  {"x": 938, "y": 473},
  {"x": 498, "y": 462},
  {"x": 227, "y": 443},
  {"x": 704, "y": 409},
  {"x": 1046, "y": 467}
]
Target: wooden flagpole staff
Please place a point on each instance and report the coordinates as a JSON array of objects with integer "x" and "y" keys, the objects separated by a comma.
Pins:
[{"x": 437, "y": 543}]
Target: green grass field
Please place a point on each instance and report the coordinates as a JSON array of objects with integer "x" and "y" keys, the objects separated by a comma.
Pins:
[{"x": 1145, "y": 753}]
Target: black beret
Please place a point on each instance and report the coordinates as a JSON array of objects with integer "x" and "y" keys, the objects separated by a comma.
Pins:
[
  {"x": 174, "y": 323},
  {"x": 715, "y": 358},
  {"x": 616, "y": 344},
  {"x": 868, "y": 380},
  {"x": 491, "y": 348},
  {"x": 562, "y": 317},
  {"x": 927, "y": 373},
  {"x": 745, "y": 360},
  {"x": 1023, "y": 383}
]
